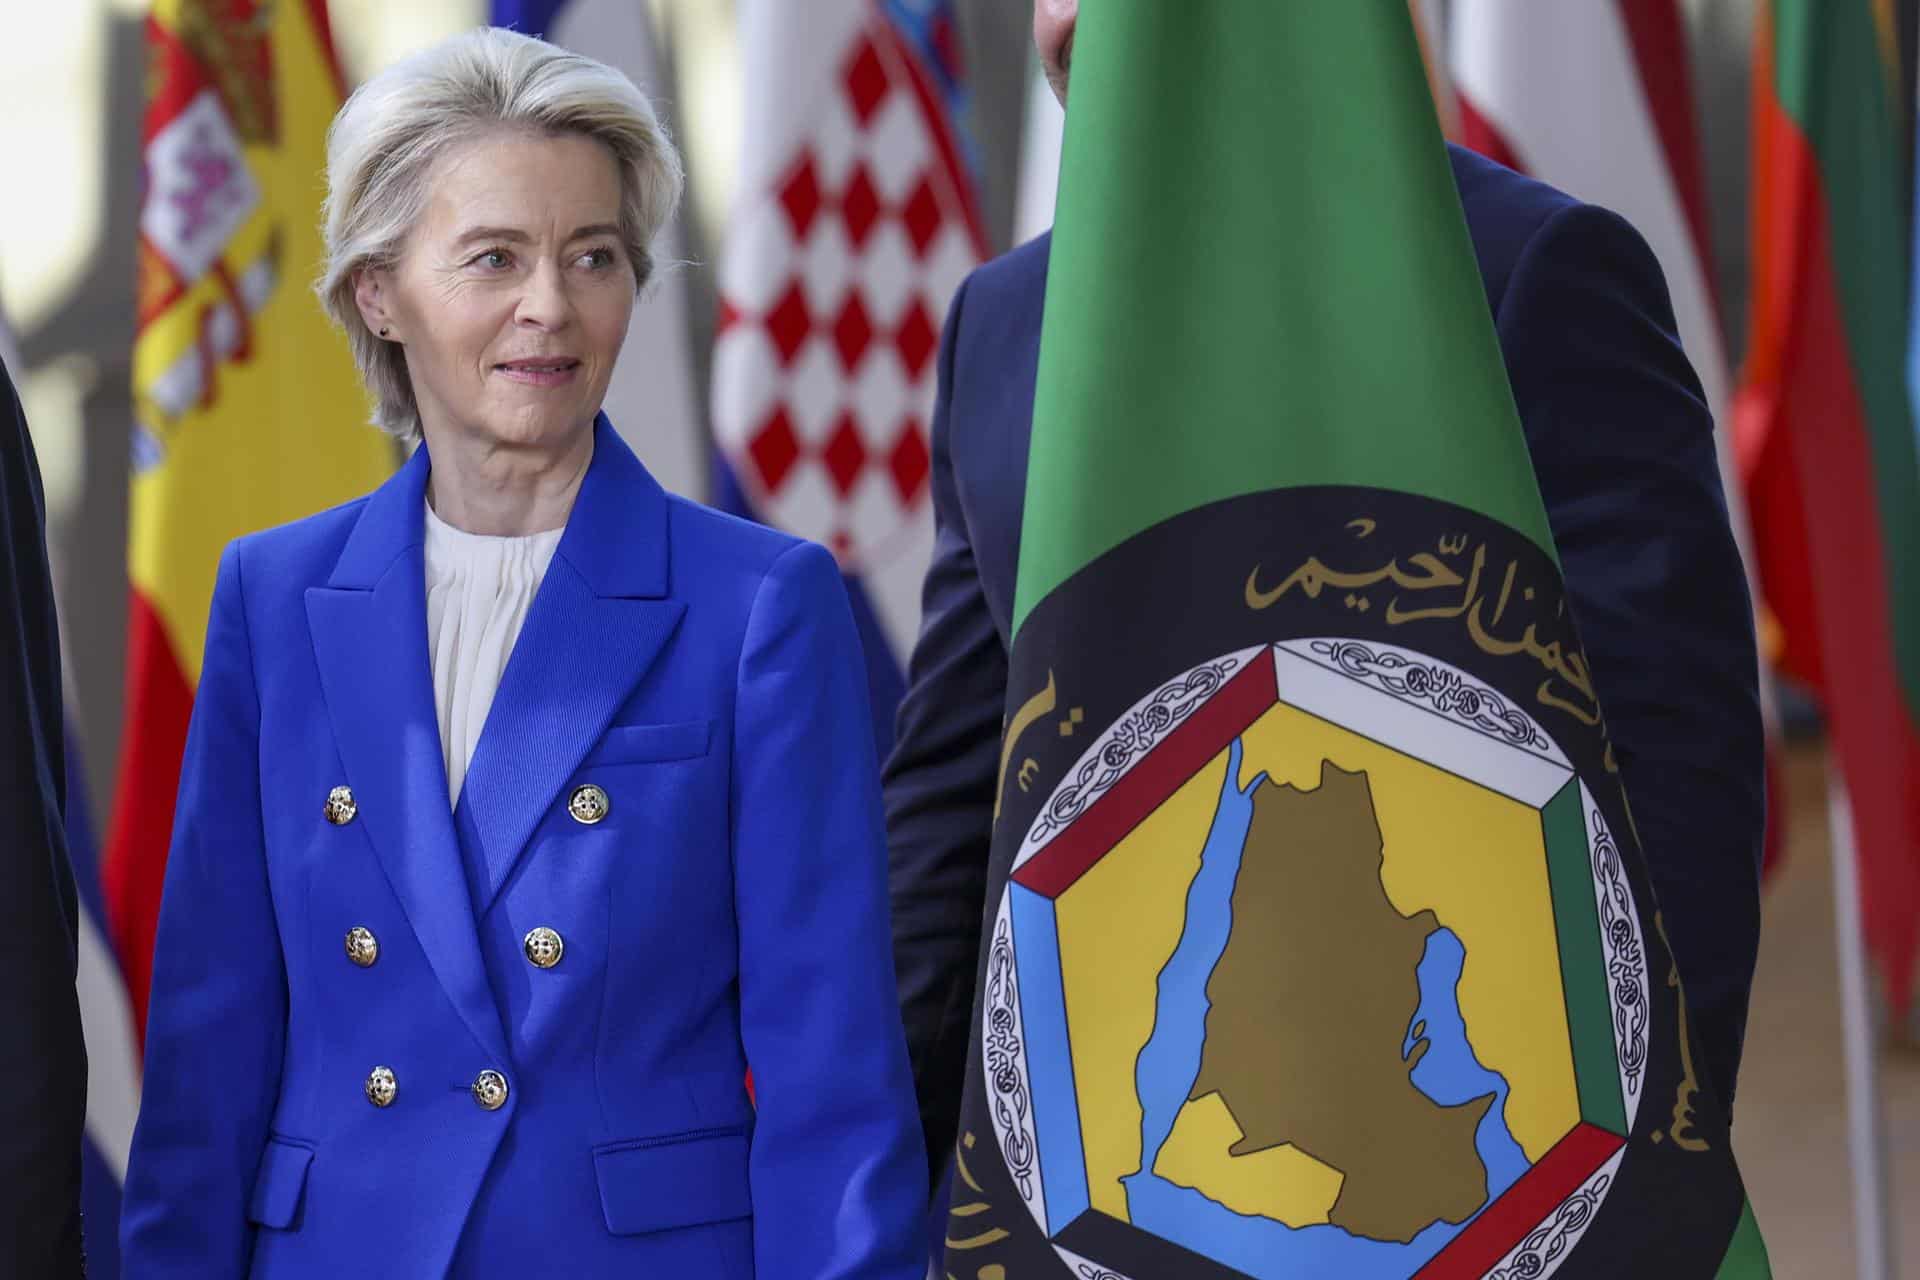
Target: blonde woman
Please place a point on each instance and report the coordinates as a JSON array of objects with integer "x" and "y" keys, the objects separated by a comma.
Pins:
[{"x": 526, "y": 806}]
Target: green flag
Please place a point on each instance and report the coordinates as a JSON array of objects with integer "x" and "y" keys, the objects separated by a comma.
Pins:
[{"x": 1319, "y": 942}]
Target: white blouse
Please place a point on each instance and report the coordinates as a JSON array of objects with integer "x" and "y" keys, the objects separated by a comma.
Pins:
[{"x": 479, "y": 588}]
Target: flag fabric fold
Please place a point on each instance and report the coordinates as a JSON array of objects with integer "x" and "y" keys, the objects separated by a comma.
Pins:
[
  {"x": 1825, "y": 426},
  {"x": 856, "y": 221},
  {"x": 248, "y": 410},
  {"x": 1319, "y": 940}
]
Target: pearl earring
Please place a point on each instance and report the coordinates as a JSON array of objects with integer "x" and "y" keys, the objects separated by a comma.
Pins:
[{"x": 385, "y": 332}]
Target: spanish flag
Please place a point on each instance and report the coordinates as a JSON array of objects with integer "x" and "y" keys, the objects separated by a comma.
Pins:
[
  {"x": 1319, "y": 939},
  {"x": 248, "y": 410}
]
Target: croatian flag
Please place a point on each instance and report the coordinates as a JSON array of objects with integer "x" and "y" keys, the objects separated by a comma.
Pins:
[
  {"x": 856, "y": 220},
  {"x": 650, "y": 399}
]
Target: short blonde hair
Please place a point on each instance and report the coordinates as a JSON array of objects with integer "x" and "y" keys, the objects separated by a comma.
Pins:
[{"x": 385, "y": 141}]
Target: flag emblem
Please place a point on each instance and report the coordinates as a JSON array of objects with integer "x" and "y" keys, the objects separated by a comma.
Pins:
[
  {"x": 831, "y": 299},
  {"x": 1320, "y": 956}
]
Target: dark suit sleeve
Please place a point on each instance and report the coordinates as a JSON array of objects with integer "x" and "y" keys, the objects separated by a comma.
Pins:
[
  {"x": 43, "y": 1064},
  {"x": 939, "y": 791},
  {"x": 1623, "y": 446}
]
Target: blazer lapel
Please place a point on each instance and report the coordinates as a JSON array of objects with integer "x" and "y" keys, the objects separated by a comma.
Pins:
[
  {"x": 369, "y": 631},
  {"x": 600, "y": 619}
]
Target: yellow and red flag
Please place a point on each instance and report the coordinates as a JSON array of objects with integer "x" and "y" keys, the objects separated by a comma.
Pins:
[{"x": 248, "y": 410}]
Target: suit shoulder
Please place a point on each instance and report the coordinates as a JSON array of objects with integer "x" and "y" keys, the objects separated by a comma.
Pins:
[
  {"x": 708, "y": 542},
  {"x": 301, "y": 552},
  {"x": 1016, "y": 278},
  {"x": 1505, "y": 211}
]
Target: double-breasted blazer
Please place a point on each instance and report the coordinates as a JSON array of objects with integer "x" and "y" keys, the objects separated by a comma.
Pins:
[{"x": 392, "y": 1037}]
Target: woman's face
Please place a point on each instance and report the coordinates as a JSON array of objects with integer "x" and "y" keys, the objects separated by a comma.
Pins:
[{"x": 513, "y": 293}]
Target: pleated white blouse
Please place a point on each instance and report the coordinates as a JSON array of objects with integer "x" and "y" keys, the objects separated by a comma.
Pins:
[{"x": 479, "y": 588}]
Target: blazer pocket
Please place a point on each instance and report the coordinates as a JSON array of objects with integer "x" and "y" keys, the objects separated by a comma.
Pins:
[
  {"x": 277, "y": 1187},
  {"x": 646, "y": 743},
  {"x": 682, "y": 1180}
]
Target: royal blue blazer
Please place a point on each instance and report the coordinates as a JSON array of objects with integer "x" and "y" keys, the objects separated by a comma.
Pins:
[{"x": 728, "y": 912}]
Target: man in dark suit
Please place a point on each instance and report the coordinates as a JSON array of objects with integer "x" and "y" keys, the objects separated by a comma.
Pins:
[
  {"x": 1623, "y": 447},
  {"x": 43, "y": 1063}
]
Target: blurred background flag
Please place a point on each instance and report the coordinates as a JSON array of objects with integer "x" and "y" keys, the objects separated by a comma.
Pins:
[
  {"x": 1594, "y": 97},
  {"x": 1825, "y": 428},
  {"x": 106, "y": 1018},
  {"x": 856, "y": 220},
  {"x": 248, "y": 410},
  {"x": 651, "y": 399}
]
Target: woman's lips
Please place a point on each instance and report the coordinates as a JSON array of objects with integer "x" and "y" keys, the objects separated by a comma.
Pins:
[{"x": 539, "y": 373}]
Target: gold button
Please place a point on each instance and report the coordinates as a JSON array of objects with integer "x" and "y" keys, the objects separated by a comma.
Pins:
[
  {"x": 544, "y": 948},
  {"x": 362, "y": 947},
  {"x": 382, "y": 1088},
  {"x": 340, "y": 807},
  {"x": 588, "y": 804},
  {"x": 490, "y": 1090}
]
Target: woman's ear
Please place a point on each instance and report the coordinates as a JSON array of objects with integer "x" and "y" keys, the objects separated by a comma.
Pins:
[{"x": 370, "y": 295}]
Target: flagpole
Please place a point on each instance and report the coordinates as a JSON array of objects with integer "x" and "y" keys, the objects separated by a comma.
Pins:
[{"x": 1866, "y": 1141}]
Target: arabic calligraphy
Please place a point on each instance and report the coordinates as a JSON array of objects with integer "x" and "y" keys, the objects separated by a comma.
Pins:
[
  {"x": 1031, "y": 712},
  {"x": 1425, "y": 587},
  {"x": 963, "y": 1233},
  {"x": 1682, "y": 1130}
]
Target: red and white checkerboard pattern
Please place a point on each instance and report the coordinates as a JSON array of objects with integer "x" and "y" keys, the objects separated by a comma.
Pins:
[{"x": 836, "y": 278}]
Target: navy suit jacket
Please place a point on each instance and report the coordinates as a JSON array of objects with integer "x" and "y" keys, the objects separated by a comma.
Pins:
[
  {"x": 1622, "y": 444},
  {"x": 727, "y": 911},
  {"x": 43, "y": 1064}
]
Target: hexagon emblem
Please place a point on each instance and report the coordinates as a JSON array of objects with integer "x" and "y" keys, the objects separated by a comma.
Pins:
[{"x": 1250, "y": 999}]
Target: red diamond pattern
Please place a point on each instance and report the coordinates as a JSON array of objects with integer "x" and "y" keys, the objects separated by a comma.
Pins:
[
  {"x": 789, "y": 323},
  {"x": 866, "y": 82},
  {"x": 866, "y": 432},
  {"x": 916, "y": 339},
  {"x": 852, "y": 332},
  {"x": 909, "y": 462},
  {"x": 860, "y": 207},
  {"x": 845, "y": 456},
  {"x": 800, "y": 196},
  {"x": 922, "y": 216},
  {"x": 775, "y": 449}
]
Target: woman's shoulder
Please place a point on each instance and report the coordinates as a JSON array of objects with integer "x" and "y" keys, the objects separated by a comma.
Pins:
[
  {"x": 300, "y": 553},
  {"x": 710, "y": 543}
]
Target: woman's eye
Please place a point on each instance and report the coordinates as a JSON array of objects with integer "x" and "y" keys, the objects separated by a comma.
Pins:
[
  {"x": 493, "y": 260},
  {"x": 598, "y": 259}
]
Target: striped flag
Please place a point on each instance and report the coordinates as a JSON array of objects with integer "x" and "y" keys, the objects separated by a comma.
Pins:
[
  {"x": 651, "y": 399},
  {"x": 1594, "y": 97},
  {"x": 856, "y": 221},
  {"x": 1825, "y": 427},
  {"x": 248, "y": 410}
]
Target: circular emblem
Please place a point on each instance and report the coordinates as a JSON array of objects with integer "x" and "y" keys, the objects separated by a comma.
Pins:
[
  {"x": 490, "y": 1090},
  {"x": 544, "y": 947},
  {"x": 340, "y": 807},
  {"x": 362, "y": 947},
  {"x": 588, "y": 804},
  {"x": 382, "y": 1088},
  {"x": 1307, "y": 966}
]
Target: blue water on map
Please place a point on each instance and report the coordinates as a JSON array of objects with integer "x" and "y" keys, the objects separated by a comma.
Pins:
[{"x": 1168, "y": 1065}]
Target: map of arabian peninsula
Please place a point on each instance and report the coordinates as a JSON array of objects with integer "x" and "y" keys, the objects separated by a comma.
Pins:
[
  {"x": 1322, "y": 1019},
  {"x": 1312, "y": 1054}
]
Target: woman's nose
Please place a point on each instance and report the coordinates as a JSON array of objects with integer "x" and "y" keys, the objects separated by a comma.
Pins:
[{"x": 545, "y": 302}]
